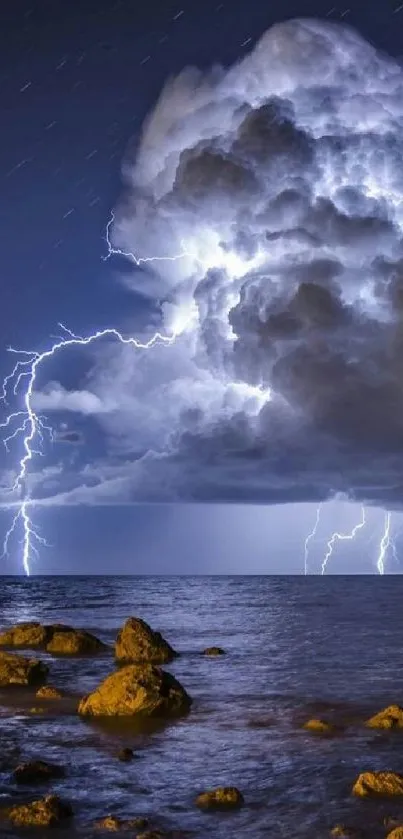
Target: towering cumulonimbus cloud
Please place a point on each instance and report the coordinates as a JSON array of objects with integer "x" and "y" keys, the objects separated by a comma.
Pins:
[{"x": 282, "y": 181}]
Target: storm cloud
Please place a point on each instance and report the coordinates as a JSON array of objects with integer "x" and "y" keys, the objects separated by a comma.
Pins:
[{"x": 279, "y": 185}]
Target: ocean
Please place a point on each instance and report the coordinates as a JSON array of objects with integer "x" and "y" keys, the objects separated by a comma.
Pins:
[{"x": 296, "y": 648}]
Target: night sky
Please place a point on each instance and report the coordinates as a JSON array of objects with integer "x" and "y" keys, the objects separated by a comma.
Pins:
[{"x": 77, "y": 81}]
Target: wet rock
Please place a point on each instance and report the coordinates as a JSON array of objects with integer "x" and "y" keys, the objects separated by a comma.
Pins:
[
  {"x": 342, "y": 832},
  {"x": 319, "y": 727},
  {"x": 46, "y": 812},
  {"x": 137, "y": 689},
  {"x": 37, "y": 771},
  {"x": 390, "y": 717},
  {"x": 24, "y": 635},
  {"x": 396, "y": 833},
  {"x": 125, "y": 755},
  {"x": 378, "y": 783},
  {"x": 48, "y": 692},
  {"x": 68, "y": 641},
  {"x": 213, "y": 651},
  {"x": 220, "y": 798},
  {"x": 55, "y": 638},
  {"x": 37, "y": 710},
  {"x": 114, "y": 824},
  {"x": 137, "y": 642},
  {"x": 16, "y": 670}
]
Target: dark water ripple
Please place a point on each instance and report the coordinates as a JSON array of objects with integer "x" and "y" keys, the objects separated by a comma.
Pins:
[{"x": 297, "y": 647}]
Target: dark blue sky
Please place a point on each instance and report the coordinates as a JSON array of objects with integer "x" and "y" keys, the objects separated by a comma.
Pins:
[{"x": 77, "y": 80}]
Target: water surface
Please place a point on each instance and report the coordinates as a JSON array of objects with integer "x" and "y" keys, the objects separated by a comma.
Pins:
[{"x": 296, "y": 647}]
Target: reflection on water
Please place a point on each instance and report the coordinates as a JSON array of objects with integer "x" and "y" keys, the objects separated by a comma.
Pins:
[{"x": 296, "y": 648}]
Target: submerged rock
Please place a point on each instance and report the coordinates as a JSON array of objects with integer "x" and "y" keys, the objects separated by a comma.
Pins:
[
  {"x": 37, "y": 771},
  {"x": 137, "y": 642},
  {"x": 340, "y": 831},
  {"x": 126, "y": 755},
  {"x": 68, "y": 641},
  {"x": 378, "y": 783},
  {"x": 220, "y": 798},
  {"x": 114, "y": 824},
  {"x": 25, "y": 635},
  {"x": 16, "y": 670},
  {"x": 390, "y": 717},
  {"x": 213, "y": 651},
  {"x": 48, "y": 692},
  {"x": 137, "y": 689},
  {"x": 46, "y": 812},
  {"x": 55, "y": 638},
  {"x": 319, "y": 727}
]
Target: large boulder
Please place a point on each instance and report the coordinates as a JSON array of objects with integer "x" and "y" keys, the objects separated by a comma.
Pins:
[
  {"x": 16, "y": 670},
  {"x": 68, "y": 641},
  {"x": 24, "y": 635},
  {"x": 137, "y": 642},
  {"x": 46, "y": 812},
  {"x": 378, "y": 783},
  {"x": 390, "y": 717},
  {"x": 58, "y": 639},
  {"x": 137, "y": 689},
  {"x": 37, "y": 771},
  {"x": 222, "y": 798}
]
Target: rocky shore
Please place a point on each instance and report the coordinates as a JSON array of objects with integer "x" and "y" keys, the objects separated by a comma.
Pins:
[{"x": 137, "y": 689}]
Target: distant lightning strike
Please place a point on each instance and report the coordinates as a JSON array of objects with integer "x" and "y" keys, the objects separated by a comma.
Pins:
[
  {"x": 385, "y": 543},
  {"x": 309, "y": 538},
  {"x": 341, "y": 537}
]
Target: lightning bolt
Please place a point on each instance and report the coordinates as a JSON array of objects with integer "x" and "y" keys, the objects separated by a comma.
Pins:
[
  {"x": 142, "y": 259},
  {"x": 32, "y": 427},
  {"x": 341, "y": 537},
  {"x": 309, "y": 538},
  {"x": 385, "y": 543}
]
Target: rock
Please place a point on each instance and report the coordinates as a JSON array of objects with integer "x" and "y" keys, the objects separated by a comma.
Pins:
[
  {"x": 214, "y": 651},
  {"x": 37, "y": 710},
  {"x": 220, "y": 798},
  {"x": 137, "y": 689},
  {"x": 55, "y": 638},
  {"x": 378, "y": 783},
  {"x": 26, "y": 635},
  {"x": 46, "y": 812},
  {"x": 396, "y": 833},
  {"x": 37, "y": 771},
  {"x": 48, "y": 692},
  {"x": 137, "y": 642},
  {"x": 16, "y": 670},
  {"x": 343, "y": 832},
  {"x": 319, "y": 727},
  {"x": 114, "y": 824},
  {"x": 125, "y": 755},
  {"x": 153, "y": 834},
  {"x": 68, "y": 641},
  {"x": 390, "y": 717}
]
